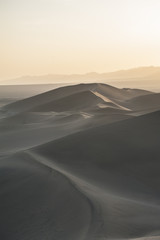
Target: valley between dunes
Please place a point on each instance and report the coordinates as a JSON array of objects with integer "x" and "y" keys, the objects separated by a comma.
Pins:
[{"x": 81, "y": 162}]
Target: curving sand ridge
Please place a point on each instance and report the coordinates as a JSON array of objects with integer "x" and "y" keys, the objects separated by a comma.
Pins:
[
  {"x": 121, "y": 182},
  {"x": 73, "y": 102},
  {"x": 60, "y": 93},
  {"x": 145, "y": 103},
  {"x": 89, "y": 185},
  {"x": 66, "y": 110},
  {"x": 71, "y": 169},
  {"x": 37, "y": 203}
]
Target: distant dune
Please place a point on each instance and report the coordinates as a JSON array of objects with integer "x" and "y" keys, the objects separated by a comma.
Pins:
[
  {"x": 94, "y": 90},
  {"x": 12, "y": 93},
  {"x": 80, "y": 162}
]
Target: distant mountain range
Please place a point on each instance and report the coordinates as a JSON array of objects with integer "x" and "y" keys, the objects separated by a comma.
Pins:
[{"x": 139, "y": 74}]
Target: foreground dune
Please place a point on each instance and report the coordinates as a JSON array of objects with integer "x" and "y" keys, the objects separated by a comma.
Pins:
[{"x": 72, "y": 174}]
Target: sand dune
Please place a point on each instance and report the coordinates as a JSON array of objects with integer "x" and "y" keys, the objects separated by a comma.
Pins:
[
  {"x": 12, "y": 93},
  {"x": 77, "y": 163},
  {"x": 62, "y": 111},
  {"x": 53, "y": 95},
  {"x": 78, "y": 101},
  {"x": 116, "y": 166},
  {"x": 66, "y": 110},
  {"x": 86, "y": 186},
  {"x": 146, "y": 103}
]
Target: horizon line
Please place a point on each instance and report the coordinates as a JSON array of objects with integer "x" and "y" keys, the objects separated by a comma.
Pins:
[{"x": 85, "y": 73}]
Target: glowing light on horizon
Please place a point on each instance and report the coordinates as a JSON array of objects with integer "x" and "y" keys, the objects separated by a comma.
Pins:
[{"x": 69, "y": 36}]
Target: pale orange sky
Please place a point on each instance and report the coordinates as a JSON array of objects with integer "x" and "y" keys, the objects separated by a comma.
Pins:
[{"x": 77, "y": 36}]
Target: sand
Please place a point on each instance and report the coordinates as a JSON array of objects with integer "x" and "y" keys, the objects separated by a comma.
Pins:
[{"x": 81, "y": 163}]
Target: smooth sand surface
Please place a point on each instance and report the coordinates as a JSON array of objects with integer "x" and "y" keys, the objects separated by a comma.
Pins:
[
  {"x": 12, "y": 93},
  {"x": 81, "y": 163}
]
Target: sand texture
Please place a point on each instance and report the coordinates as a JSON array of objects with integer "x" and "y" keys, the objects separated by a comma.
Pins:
[{"x": 80, "y": 162}]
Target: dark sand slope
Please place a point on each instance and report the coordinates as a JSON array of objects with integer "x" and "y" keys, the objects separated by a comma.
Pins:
[
  {"x": 95, "y": 177},
  {"x": 51, "y": 115},
  {"x": 88, "y": 98},
  {"x": 147, "y": 103},
  {"x": 49, "y": 97},
  {"x": 94, "y": 185},
  {"x": 60, "y": 112},
  {"x": 12, "y": 93},
  {"x": 117, "y": 167},
  {"x": 39, "y": 203}
]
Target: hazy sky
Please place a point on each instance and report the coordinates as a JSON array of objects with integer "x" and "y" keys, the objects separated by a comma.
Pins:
[{"x": 77, "y": 36}]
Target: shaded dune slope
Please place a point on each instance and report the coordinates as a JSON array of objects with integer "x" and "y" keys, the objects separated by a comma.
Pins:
[
  {"x": 145, "y": 103},
  {"x": 60, "y": 93},
  {"x": 78, "y": 101},
  {"x": 39, "y": 203},
  {"x": 94, "y": 178},
  {"x": 68, "y": 110},
  {"x": 130, "y": 145},
  {"x": 118, "y": 165},
  {"x": 60, "y": 112},
  {"x": 95, "y": 99},
  {"x": 99, "y": 101},
  {"x": 98, "y": 184}
]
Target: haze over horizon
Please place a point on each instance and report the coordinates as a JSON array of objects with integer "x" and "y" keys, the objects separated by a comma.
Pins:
[
  {"x": 138, "y": 68},
  {"x": 73, "y": 36}
]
